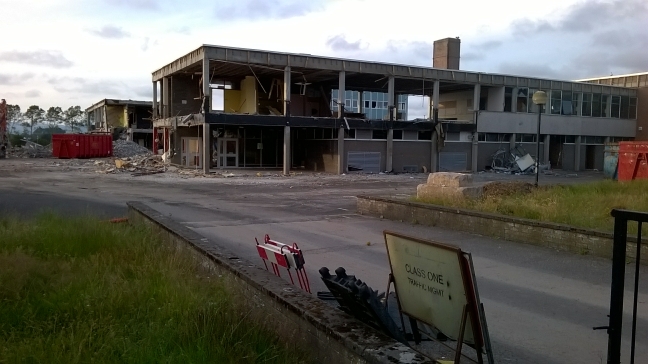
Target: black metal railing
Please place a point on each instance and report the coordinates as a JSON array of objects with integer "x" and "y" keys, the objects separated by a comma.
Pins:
[{"x": 621, "y": 219}]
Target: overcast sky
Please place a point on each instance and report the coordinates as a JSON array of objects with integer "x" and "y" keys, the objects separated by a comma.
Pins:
[{"x": 77, "y": 52}]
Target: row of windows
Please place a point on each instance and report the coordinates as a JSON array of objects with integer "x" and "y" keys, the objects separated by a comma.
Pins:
[
  {"x": 531, "y": 138},
  {"x": 371, "y": 101},
  {"x": 365, "y": 134},
  {"x": 573, "y": 103}
]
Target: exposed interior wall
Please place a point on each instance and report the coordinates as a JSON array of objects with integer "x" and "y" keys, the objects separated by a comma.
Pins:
[
  {"x": 116, "y": 116},
  {"x": 185, "y": 95},
  {"x": 495, "y": 98},
  {"x": 232, "y": 101},
  {"x": 177, "y": 136},
  {"x": 642, "y": 113},
  {"x": 248, "y": 96},
  {"x": 457, "y": 105},
  {"x": 316, "y": 155}
]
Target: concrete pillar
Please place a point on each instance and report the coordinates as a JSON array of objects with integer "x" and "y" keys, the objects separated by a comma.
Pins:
[
  {"x": 165, "y": 97},
  {"x": 206, "y": 89},
  {"x": 286, "y": 91},
  {"x": 434, "y": 157},
  {"x": 340, "y": 155},
  {"x": 155, "y": 101},
  {"x": 391, "y": 94},
  {"x": 514, "y": 99},
  {"x": 360, "y": 102},
  {"x": 475, "y": 140},
  {"x": 577, "y": 153},
  {"x": 545, "y": 149},
  {"x": 512, "y": 141},
  {"x": 341, "y": 94},
  {"x": 206, "y": 147},
  {"x": 389, "y": 166},
  {"x": 286, "y": 154}
]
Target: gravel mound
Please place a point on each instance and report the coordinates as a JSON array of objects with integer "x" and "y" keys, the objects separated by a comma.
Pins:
[{"x": 125, "y": 149}]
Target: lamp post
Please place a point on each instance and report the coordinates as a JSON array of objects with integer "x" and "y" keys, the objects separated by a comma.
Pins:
[{"x": 540, "y": 99}]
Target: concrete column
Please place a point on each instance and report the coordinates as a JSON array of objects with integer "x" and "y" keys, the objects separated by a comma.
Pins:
[
  {"x": 155, "y": 100},
  {"x": 434, "y": 156},
  {"x": 286, "y": 91},
  {"x": 286, "y": 154},
  {"x": 206, "y": 147},
  {"x": 341, "y": 94},
  {"x": 360, "y": 102},
  {"x": 577, "y": 153},
  {"x": 514, "y": 99},
  {"x": 389, "y": 166},
  {"x": 545, "y": 149},
  {"x": 512, "y": 141},
  {"x": 206, "y": 89},
  {"x": 608, "y": 106},
  {"x": 475, "y": 140},
  {"x": 391, "y": 94},
  {"x": 165, "y": 97},
  {"x": 340, "y": 156}
]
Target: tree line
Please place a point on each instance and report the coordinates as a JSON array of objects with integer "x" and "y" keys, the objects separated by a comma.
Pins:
[{"x": 74, "y": 117}]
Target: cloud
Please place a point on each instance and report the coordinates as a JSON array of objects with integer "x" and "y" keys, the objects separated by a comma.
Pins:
[
  {"x": 39, "y": 58},
  {"x": 110, "y": 32},
  {"x": 84, "y": 86},
  {"x": 472, "y": 56},
  {"x": 32, "y": 94},
  {"x": 137, "y": 4},
  {"x": 182, "y": 30},
  {"x": 148, "y": 44},
  {"x": 7, "y": 79},
  {"x": 585, "y": 16},
  {"x": 529, "y": 69},
  {"x": 339, "y": 43},
  {"x": 268, "y": 9}
]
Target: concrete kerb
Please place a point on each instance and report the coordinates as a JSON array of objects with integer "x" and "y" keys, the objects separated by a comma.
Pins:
[
  {"x": 297, "y": 317},
  {"x": 552, "y": 235}
]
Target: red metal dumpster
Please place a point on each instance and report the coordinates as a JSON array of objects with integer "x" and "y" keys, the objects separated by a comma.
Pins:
[
  {"x": 81, "y": 145},
  {"x": 633, "y": 160},
  {"x": 64, "y": 146}
]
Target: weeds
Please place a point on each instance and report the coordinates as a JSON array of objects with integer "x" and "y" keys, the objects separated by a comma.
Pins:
[{"x": 83, "y": 290}]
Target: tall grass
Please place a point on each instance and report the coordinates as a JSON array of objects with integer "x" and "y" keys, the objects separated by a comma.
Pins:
[
  {"x": 583, "y": 205},
  {"x": 83, "y": 290}
]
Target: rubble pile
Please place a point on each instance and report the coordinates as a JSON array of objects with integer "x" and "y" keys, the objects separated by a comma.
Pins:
[
  {"x": 31, "y": 150},
  {"x": 141, "y": 164},
  {"x": 127, "y": 149}
]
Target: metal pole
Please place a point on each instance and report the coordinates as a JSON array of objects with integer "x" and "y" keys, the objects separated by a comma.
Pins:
[
  {"x": 636, "y": 293},
  {"x": 617, "y": 289},
  {"x": 538, "y": 147}
]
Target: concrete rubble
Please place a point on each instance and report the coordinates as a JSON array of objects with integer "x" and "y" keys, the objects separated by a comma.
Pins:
[
  {"x": 449, "y": 184},
  {"x": 126, "y": 149},
  {"x": 31, "y": 150}
]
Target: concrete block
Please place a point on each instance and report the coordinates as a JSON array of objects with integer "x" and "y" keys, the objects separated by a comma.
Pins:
[
  {"x": 450, "y": 179},
  {"x": 433, "y": 191}
]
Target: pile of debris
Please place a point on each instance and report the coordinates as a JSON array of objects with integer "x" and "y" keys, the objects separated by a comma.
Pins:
[
  {"x": 514, "y": 161},
  {"x": 31, "y": 150},
  {"x": 136, "y": 165},
  {"x": 127, "y": 149}
]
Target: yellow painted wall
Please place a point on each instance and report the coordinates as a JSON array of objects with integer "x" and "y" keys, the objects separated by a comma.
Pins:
[
  {"x": 115, "y": 116},
  {"x": 232, "y": 101},
  {"x": 248, "y": 96},
  {"x": 456, "y": 105}
]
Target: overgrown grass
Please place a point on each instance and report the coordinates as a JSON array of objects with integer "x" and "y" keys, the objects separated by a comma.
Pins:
[
  {"x": 83, "y": 290},
  {"x": 583, "y": 205}
]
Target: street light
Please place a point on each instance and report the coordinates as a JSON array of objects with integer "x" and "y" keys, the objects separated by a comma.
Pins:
[{"x": 540, "y": 99}]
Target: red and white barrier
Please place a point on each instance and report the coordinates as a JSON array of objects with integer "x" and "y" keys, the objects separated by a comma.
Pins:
[{"x": 285, "y": 256}]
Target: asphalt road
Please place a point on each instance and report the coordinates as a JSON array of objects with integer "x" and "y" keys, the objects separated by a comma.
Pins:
[{"x": 540, "y": 304}]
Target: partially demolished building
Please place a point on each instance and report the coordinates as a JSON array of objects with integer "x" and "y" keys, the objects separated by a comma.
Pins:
[
  {"x": 223, "y": 107},
  {"x": 131, "y": 119}
]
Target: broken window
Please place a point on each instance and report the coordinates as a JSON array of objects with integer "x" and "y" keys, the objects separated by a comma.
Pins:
[
  {"x": 379, "y": 134},
  {"x": 625, "y": 107},
  {"x": 596, "y": 105},
  {"x": 522, "y": 100},
  {"x": 586, "y": 107},
  {"x": 398, "y": 134},
  {"x": 508, "y": 93},
  {"x": 616, "y": 106},
  {"x": 632, "y": 108}
]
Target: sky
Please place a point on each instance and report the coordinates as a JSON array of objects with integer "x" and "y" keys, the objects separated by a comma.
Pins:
[{"x": 78, "y": 52}]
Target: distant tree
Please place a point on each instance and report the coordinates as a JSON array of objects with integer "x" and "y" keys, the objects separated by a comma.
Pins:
[
  {"x": 34, "y": 114},
  {"x": 14, "y": 116},
  {"x": 74, "y": 117},
  {"x": 54, "y": 115}
]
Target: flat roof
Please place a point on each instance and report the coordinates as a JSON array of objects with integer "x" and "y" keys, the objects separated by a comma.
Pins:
[
  {"x": 117, "y": 102},
  {"x": 612, "y": 76},
  {"x": 235, "y": 62}
]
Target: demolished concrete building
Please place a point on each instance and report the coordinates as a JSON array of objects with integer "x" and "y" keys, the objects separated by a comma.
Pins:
[
  {"x": 260, "y": 109},
  {"x": 130, "y": 118}
]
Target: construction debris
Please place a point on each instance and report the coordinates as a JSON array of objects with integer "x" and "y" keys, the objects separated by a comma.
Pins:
[
  {"x": 514, "y": 161},
  {"x": 126, "y": 149},
  {"x": 31, "y": 150}
]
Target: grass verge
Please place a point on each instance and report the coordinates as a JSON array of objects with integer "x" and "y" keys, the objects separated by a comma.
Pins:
[
  {"x": 83, "y": 290},
  {"x": 583, "y": 205}
]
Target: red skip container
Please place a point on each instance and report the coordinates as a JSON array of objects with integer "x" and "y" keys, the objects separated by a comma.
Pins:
[
  {"x": 66, "y": 146},
  {"x": 633, "y": 160}
]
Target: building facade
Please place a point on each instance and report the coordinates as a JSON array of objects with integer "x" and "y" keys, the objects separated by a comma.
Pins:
[
  {"x": 128, "y": 117},
  {"x": 260, "y": 109}
]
